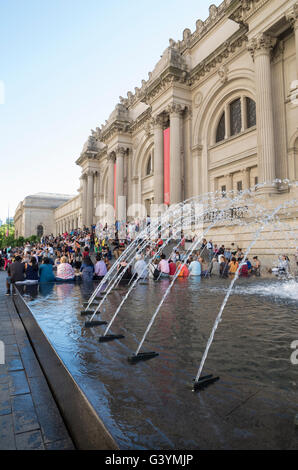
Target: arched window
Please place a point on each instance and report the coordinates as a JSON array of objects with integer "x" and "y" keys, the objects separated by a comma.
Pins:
[
  {"x": 39, "y": 231},
  {"x": 235, "y": 117},
  {"x": 235, "y": 125},
  {"x": 221, "y": 129},
  {"x": 149, "y": 166},
  {"x": 251, "y": 113}
]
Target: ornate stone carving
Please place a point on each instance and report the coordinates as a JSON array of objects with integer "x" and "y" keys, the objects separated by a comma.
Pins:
[
  {"x": 147, "y": 128},
  {"x": 199, "y": 26},
  {"x": 175, "y": 108},
  {"x": 292, "y": 16},
  {"x": 90, "y": 172},
  {"x": 278, "y": 51},
  {"x": 111, "y": 157},
  {"x": 223, "y": 72},
  {"x": 198, "y": 99},
  {"x": 262, "y": 42},
  {"x": 121, "y": 151},
  {"x": 157, "y": 121},
  {"x": 136, "y": 142},
  {"x": 213, "y": 12}
]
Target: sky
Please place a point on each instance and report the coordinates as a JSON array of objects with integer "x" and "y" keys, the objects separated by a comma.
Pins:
[{"x": 63, "y": 66}]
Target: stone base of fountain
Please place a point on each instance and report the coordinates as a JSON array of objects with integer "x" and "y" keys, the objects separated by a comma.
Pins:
[
  {"x": 108, "y": 338},
  {"x": 146, "y": 356}
]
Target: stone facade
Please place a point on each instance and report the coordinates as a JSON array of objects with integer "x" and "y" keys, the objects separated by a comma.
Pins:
[
  {"x": 35, "y": 215},
  {"x": 227, "y": 92}
]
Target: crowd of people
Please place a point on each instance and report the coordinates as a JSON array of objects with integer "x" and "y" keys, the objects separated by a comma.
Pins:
[{"x": 81, "y": 255}]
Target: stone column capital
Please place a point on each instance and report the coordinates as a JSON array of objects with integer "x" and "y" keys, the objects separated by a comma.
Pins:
[
  {"x": 261, "y": 44},
  {"x": 157, "y": 122},
  {"x": 111, "y": 157},
  {"x": 292, "y": 16},
  {"x": 90, "y": 173},
  {"x": 175, "y": 109},
  {"x": 197, "y": 150},
  {"x": 120, "y": 151}
]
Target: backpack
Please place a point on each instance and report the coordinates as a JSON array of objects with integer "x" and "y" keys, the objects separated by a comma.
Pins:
[{"x": 244, "y": 270}]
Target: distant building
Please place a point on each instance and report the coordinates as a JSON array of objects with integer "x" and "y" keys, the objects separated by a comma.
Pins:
[{"x": 35, "y": 214}]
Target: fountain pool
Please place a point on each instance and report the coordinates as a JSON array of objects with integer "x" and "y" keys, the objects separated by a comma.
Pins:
[{"x": 151, "y": 405}]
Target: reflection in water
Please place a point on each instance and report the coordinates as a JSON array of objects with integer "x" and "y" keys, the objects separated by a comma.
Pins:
[
  {"x": 150, "y": 405},
  {"x": 64, "y": 290},
  {"x": 46, "y": 289}
]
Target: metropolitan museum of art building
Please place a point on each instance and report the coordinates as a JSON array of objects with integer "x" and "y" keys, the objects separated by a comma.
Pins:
[{"x": 218, "y": 112}]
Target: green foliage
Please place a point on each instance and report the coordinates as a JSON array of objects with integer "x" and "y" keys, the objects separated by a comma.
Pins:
[{"x": 6, "y": 241}]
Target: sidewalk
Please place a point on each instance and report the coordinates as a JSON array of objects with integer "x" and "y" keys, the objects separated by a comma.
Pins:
[{"x": 29, "y": 417}]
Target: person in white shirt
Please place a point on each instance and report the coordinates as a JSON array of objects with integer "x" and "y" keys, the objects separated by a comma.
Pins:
[{"x": 140, "y": 268}]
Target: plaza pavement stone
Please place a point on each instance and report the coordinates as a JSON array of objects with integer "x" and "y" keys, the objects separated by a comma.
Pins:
[{"x": 29, "y": 416}]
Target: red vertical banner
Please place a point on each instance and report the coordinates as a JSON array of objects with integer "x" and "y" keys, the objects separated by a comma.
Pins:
[
  {"x": 115, "y": 188},
  {"x": 166, "y": 153}
]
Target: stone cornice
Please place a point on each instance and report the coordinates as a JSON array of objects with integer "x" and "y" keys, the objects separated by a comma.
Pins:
[
  {"x": 242, "y": 11},
  {"x": 216, "y": 58},
  {"x": 170, "y": 76},
  {"x": 140, "y": 120},
  {"x": 87, "y": 156},
  {"x": 116, "y": 127},
  {"x": 216, "y": 14}
]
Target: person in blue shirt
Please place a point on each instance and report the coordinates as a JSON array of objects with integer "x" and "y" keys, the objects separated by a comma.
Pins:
[
  {"x": 195, "y": 268},
  {"x": 87, "y": 269},
  {"x": 46, "y": 273},
  {"x": 249, "y": 265}
]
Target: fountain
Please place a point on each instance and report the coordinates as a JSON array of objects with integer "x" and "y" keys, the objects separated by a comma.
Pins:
[
  {"x": 231, "y": 200},
  {"x": 178, "y": 319}
]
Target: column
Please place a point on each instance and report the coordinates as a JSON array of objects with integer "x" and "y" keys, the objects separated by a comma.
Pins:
[
  {"x": 90, "y": 197},
  {"x": 196, "y": 170},
  {"x": 260, "y": 48},
  {"x": 120, "y": 198},
  {"x": 110, "y": 195},
  {"x": 246, "y": 178},
  {"x": 292, "y": 17},
  {"x": 229, "y": 179},
  {"x": 158, "y": 160},
  {"x": 227, "y": 121},
  {"x": 84, "y": 199},
  {"x": 243, "y": 114},
  {"x": 279, "y": 111},
  {"x": 175, "y": 111}
]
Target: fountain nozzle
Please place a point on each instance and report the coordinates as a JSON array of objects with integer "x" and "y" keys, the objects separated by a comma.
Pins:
[
  {"x": 203, "y": 382},
  {"x": 135, "y": 358},
  {"x": 108, "y": 338},
  {"x": 88, "y": 312},
  {"x": 90, "y": 324}
]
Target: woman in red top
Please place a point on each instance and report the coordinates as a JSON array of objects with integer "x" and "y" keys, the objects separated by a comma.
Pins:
[{"x": 172, "y": 267}]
